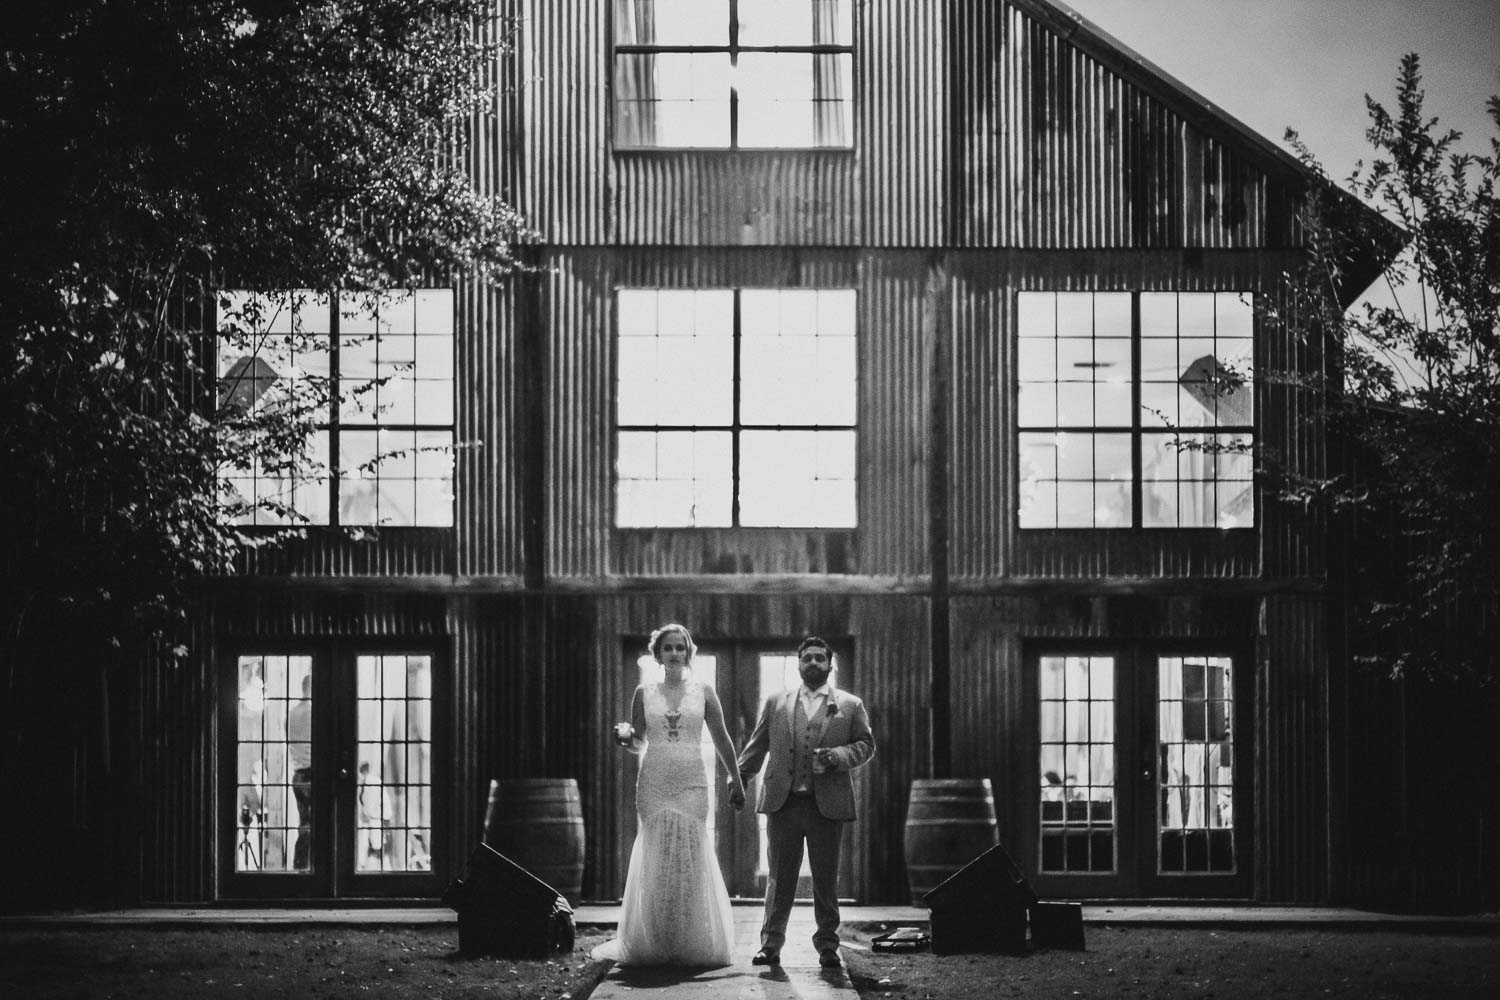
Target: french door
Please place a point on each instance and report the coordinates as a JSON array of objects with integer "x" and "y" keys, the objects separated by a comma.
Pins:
[
  {"x": 744, "y": 674},
  {"x": 1139, "y": 764},
  {"x": 328, "y": 772}
]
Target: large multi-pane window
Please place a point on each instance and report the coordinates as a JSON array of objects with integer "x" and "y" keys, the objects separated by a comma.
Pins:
[
  {"x": 733, "y": 73},
  {"x": 373, "y": 374},
  {"x": 1135, "y": 409},
  {"x": 735, "y": 407}
]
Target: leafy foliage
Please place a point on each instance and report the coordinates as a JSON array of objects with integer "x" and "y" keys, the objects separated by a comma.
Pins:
[
  {"x": 1417, "y": 399},
  {"x": 152, "y": 148}
]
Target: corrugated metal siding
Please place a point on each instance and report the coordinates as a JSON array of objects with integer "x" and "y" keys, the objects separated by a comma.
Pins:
[
  {"x": 1054, "y": 149},
  {"x": 902, "y": 299},
  {"x": 492, "y": 368},
  {"x": 563, "y": 52},
  {"x": 727, "y": 199},
  {"x": 900, "y": 122},
  {"x": 578, "y": 304},
  {"x": 389, "y": 552},
  {"x": 1291, "y": 753},
  {"x": 176, "y": 741}
]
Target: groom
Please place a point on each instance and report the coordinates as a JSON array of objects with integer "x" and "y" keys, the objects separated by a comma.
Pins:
[{"x": 809, "y": 739}]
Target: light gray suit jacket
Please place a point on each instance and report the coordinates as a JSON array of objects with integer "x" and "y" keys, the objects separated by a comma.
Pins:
[{"x": 845, "y": 729}]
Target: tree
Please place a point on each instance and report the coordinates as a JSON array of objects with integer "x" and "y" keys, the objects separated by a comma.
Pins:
[
  {"x": 152, "y": 148},
  {"x": 1416, "y": 392}
]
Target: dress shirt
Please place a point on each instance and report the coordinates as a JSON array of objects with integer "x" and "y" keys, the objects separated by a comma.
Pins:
[{"x": 812, "y": 701}]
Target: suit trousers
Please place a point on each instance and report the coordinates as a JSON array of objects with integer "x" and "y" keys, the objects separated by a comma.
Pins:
[{"x": 786, "y": 830}]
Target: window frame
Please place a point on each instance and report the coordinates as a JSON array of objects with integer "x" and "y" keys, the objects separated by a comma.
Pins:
[
  {"x": 334, "y": 425},
  {"x": 736, "y": 427},
  {"x": 733, "y": 50},
  {"x": 1138, "y": 431}
]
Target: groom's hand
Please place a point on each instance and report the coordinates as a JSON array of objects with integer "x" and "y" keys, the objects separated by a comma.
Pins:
[{"x": 736, "y": 796}]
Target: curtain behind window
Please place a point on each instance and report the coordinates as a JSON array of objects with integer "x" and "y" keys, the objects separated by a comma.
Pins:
[{"x": 635, "y": 74}]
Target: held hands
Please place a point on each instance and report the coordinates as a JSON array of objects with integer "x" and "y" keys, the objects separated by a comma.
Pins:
[
  {"x": 624, "y": 734},
  {"x": 736, "y": 794}
]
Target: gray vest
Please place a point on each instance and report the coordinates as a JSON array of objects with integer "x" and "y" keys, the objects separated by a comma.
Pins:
[{"x": 803, "y": 732}]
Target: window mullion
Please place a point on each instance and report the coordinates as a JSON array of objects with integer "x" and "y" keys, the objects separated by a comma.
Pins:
[
  {"x": 735, "y": 427},
  {"x": 734, "y": 101},
  {"x": 1137, "y": 471},
  {"x": 335, "y": 385}
]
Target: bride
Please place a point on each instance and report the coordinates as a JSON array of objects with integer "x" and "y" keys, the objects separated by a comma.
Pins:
[{"x": 676, "y": 908}]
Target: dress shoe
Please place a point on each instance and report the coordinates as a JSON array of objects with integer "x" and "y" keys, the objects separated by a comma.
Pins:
[
  {"x": 829, "y": 959},
  {"x": 764, "y": 957}
]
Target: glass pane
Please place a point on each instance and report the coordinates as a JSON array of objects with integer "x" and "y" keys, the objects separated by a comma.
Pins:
[
  {"x": 797, "y": 357},
  {"x": 675, "y": 357},
  {"x": 1077, "y": 763},
  {"x": 1195, "y": 751},
  {"x": 796, "y": 22},
  {"x": 393, "y": 832},
  {"x": 794, "y": 99},
  {"x": 672, "y": 99},
  {"x": 797, "y": 478},
  {"x": 274, "y": 764},
  {"x": 682, "y": 479},
  {"x": 671, "y": 22}
]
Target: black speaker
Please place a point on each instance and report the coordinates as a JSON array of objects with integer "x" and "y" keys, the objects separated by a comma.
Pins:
[
  {"x": 981, "y": 907},
  {"x": 503, "y": 909}
]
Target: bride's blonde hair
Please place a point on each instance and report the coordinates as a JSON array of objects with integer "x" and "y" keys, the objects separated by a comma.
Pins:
[{"x": 656, "y": 637}]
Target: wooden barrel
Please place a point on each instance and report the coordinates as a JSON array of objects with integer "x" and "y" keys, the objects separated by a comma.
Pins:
[
  {"x": 538, "y": 824},
  {"x": 949, "y": 822}
]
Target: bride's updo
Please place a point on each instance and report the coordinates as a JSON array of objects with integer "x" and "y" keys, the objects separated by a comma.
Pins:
[{"x": 656, "y": 637}]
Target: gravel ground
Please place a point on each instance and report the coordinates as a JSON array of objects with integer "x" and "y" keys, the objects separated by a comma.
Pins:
[
  {"x": 1142, "y": 962},
  {"x": 321, "y": 963}
]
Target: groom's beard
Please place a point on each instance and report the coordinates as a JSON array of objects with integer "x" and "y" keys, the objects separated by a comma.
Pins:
[{"x": 813, "y": 677}]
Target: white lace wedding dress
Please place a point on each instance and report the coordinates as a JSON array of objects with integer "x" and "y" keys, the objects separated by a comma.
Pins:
[{"x": 676, "y": 909}]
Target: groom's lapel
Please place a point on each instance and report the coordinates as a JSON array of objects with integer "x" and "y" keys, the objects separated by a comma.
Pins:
[
  {"x": 822, "y": 721},
  {"x": 789, "y": 709}
]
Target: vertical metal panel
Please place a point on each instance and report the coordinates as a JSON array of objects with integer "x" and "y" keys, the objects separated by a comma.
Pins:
[
  {"x": 900, "y": 125},
  {"x": 490, "y": 508},
  {"x": 902, "y": 298},
  {"x": 390, "y": 552},
  {"x": 563, "y": 54},
  {"x": 785, "y": 198},
  {"x": 1291, "y": 753},
  {"x": 1057, "y": 150},
  {"x": 176, "y": 726},
  {"x": 578, "y": 306}
]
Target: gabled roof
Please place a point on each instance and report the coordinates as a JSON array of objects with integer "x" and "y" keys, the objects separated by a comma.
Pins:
[{"x": 1213, "y": 120}]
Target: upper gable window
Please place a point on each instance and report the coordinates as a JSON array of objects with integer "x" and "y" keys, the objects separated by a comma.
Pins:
[
  {"x": 1135, "y": 410},
  {"x": 733, "y": 74}
]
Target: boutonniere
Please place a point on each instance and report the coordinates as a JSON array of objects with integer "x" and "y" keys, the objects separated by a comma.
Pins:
[{"x": 832, "y": 709}]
